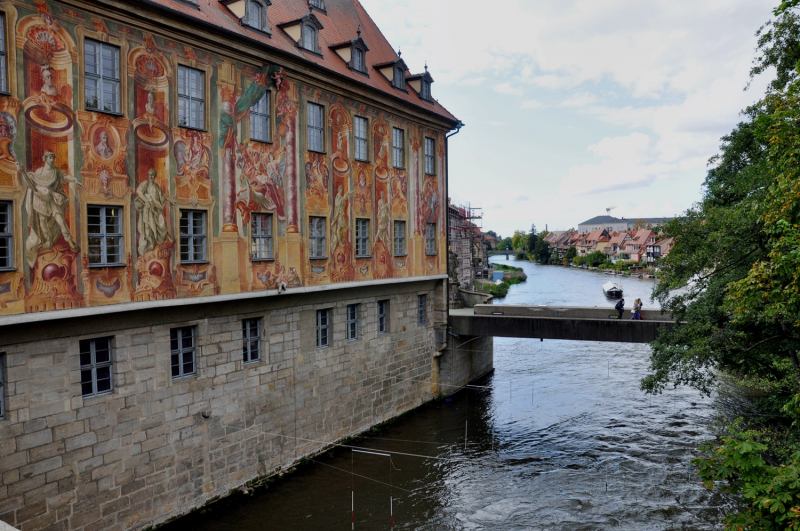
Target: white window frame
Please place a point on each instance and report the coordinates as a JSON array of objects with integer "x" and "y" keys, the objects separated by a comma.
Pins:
[
  {"x": 361, "y": 138},
  {"x": 6, "y": 236},
  {"x": 425, "y": 90},
  {"x": 430, "y": 156},
  {"x": 105, "y": 235},
  {"x": 422, "y": 310},
  {"x": 257, "y": 22},
  {"x": 176, "y": 336},
  {"x": 106, "y": 85},
  {"x": 324, "y": 328},
  {"x": 260, "y": 119},
  {"x": 383, "y": 316},
  {"x": 316, "y": 237},
  {"x": 88, "y": 347},
  {"x": 352, "y": 322},
  {"x": 3, "y": 58},
  {"x": 430, "y": 238},
  {"x": 362, "y": 237},
  {"x": 261, "y": 237},
  {"x": 315, "y": 128},
  {"x": 191, "y": 103},
  {"x": 251, "y": 340},
  {"x": 319, "y": 4},
  {"x": 398, "y": 148},
  {"x": 399, "y": 237},
  {"x": 193, "y": 244},
  {"x": 359, "y": 59}
]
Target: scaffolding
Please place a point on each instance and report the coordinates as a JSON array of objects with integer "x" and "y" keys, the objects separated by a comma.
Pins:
[{"x": 466, "y": 241}]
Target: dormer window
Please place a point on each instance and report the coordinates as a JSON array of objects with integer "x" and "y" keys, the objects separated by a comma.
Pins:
[
  {"x": 358, "y": 60},
  {"x": 310, "y": 38},
  {"x": 425, "y": 90},
  {"x": 256, "y": 15},
  {"x": 399, "y": 78},
  {"x": 422, "y": 84},
  {"x": 319, "y": 4}
]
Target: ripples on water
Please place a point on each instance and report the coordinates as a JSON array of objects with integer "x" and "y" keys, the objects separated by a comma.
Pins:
[{"x": 561, "y": 437}]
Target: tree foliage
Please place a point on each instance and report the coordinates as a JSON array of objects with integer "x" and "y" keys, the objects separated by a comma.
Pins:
[
  {"x": 732, "y": 281},
  {"x": 519, "y": 240}
]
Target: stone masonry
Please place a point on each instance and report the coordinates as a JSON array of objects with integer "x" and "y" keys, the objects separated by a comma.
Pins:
[{"x": 155, "y": 447}]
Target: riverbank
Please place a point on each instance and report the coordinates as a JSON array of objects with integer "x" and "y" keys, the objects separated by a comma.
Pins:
[{"x": 511, "y": 275}]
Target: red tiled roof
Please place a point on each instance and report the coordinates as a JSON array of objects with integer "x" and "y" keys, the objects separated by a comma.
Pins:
[{"x": 340, "y": 23}]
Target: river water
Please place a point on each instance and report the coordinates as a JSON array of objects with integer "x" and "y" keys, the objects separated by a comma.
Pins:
[{"x": 558, "y": 437}]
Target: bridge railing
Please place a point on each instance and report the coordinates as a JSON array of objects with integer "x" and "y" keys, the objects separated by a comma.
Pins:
[{"x": 566, "y": 312}]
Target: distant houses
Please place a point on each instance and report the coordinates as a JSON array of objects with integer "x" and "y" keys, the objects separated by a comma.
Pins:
[
  {"x": 611, "y": 224},
  {"x": 634, "y": 245}
]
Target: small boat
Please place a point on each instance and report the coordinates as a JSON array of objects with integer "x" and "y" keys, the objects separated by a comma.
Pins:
[{"x": 611, "y": 290}]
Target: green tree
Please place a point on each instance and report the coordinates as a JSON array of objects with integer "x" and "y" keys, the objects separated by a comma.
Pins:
[
  {"x": 596, "y": 258},
  {"x": 504, "y": 244},
  {"x": 733, "y": 283},
  {"x": 541, "y": 250},
  {"x": 533, "y": 239},
  {"x": 570, "y": 255},
  {"x": 519, "y": 240}
]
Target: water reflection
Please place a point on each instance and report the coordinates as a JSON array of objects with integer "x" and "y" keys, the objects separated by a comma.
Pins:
[{"x": 559, "y": 437}]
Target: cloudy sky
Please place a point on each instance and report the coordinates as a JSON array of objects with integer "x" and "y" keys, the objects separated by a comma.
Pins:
[{"x": 572, "y": 106}]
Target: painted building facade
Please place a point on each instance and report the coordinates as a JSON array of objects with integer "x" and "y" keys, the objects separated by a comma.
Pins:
[{"x": 168, "y": 169}]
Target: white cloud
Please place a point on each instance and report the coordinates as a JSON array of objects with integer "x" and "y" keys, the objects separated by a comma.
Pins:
[
  {"x": 579, "y": 100},
  {"x": 532, "y": 104},
  {"x": 507, "y": 88}
]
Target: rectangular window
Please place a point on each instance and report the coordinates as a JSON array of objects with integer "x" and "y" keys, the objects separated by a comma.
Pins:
[
  {"x": 251, "y": 340},
  {"x": 2, "y": 388},
  {"x": 399, "y": 238},
  {"x": 316, "y": 133},
  {"x": 362, "y": 237},
  {"x": 259, "y": 119},
  {"x": 323, "y": 328},
  {"x": 316, "y": 237},
  {"x": 352, "y": 322},
  {"x": 360, "y": 126},
  {"x": 422, "y": 310},
  {"x": 398, "y": 145},
  {"x": 430, "y": 238},
  {"x": 95, "y": 359},
  {"x": 6, "y": 237},
  {"x": 104, "y": 227},
  {"x": 182, "y": 345},
  {"x": 255, "y": 15},
  {"x": 3, "y": 64},
  {"x": 193, "y": 236},
  {"x": 317, "y": 3},
  {"x": 261, "y": 237},
  {"x": 430, "y": 160},
  {"x": 101, "y": 79},
  {"x": 383, "y": 317},
  {"x": 191, "y": 97},
  {"x": 358, "y": 60}
]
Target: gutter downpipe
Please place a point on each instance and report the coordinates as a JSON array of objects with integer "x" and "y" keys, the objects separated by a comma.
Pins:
[{"x": 459, "y": 125}]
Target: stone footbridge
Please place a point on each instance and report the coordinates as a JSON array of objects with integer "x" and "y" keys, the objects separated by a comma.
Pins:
[{"x": 557, "y": 322}]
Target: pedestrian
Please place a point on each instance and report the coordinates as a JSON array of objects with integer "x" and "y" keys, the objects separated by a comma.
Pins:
[
  {"x": 620, "y": 307},
  {"x": 637, "y": 310}
]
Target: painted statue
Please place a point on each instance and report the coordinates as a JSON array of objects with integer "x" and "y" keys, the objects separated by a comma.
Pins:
[
  {"x": 150, "y": 201},
  {"x": 46, "y": 205},
  {"x": 384, "y": 219},
  {"x": 339, "y": 225}
]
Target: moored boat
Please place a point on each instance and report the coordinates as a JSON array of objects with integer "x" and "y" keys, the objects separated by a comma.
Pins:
[{"x": 611, "y": 290}]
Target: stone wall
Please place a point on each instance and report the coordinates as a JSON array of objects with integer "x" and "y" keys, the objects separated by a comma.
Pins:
[
  {"x": 155, "y": 447},
  {"x": 465, "y": 359}
]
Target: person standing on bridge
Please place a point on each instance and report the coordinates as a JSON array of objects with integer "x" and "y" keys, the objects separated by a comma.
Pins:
[
  {"x": 620, "y": 307},
  {"x": 637, "y": 310}
]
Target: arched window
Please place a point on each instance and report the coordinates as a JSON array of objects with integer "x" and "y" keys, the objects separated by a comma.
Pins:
[
  {"x": 256, "y": 15},
  {"x": 310, "y": 40}
]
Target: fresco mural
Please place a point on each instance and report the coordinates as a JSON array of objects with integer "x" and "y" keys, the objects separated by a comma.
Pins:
[{"x": 58, "y": 158}]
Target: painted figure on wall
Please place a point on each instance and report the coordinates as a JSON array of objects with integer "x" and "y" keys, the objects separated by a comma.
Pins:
[
  {"x": 193, "y": 159},
  {"x": 150, "y": 201},
  {"x": 261, "y": 182},
  {"x": 48, "y": 87},
  {"x": 103, "y": 150},
  {"x": 46, "y": 204},
  {"x": 340, "y": 226},
  {"x": 8, "y": 133},
  {"x": 384, "y": 220}
]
